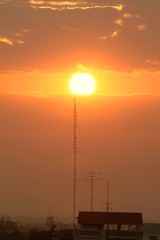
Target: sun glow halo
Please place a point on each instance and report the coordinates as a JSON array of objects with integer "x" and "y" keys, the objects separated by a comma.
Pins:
[{"x": 82, "y": 83}]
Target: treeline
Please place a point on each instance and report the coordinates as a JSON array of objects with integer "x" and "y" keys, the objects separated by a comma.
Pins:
[{"x": 9, "y": 230}]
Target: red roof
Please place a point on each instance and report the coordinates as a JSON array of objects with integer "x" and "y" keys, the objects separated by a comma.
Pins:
[{"x": 110, "y": 218}]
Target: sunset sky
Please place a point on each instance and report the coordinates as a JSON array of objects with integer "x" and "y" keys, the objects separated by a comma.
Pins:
[{"x": 42, "y": 44}]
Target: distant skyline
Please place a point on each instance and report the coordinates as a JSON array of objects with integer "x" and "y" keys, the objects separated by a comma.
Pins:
[{"x": 42, "y": 43}]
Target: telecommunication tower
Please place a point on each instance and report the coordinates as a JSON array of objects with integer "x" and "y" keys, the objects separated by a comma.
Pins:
[{"x": 74, "y": 161}]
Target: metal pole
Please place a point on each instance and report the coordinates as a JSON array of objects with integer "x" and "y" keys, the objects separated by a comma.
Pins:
[
  {"x": 108, "y": 203},
  {"x": 92, "y": 179}
]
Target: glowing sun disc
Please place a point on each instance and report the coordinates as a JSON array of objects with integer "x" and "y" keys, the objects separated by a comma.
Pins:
[{"x": 82, "y": 83}]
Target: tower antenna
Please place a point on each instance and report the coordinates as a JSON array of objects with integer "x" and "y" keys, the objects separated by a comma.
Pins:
[
  {"x": 92, "y": 177},
  {"x": 74, "y": 161}
]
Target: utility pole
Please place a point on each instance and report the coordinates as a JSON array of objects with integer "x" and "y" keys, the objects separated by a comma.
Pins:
[
  {"x": 108, "y": 198},
  {"x": 92, "y": 177}
]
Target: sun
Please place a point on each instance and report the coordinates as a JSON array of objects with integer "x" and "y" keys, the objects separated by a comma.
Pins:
[{"x": 82, "y": 83}]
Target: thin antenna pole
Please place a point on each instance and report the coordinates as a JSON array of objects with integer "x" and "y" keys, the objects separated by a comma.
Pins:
[
  {"x": 108, "y": 203},
  {"x": 92, "y": 180},
  {"x": 74, "y": 160}
]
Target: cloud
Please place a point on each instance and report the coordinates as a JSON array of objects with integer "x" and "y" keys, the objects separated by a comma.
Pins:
[
  {"x": 20, "y": 41},
  {"x": 119, "y": 22},
  {"x": 70, "y": 29},
  {"x": 129, "y": 15},
  {"x": 38, "y": 94},
  {"x": 153, "y": 62},
  {"x": 6, "y": 40},
  {"x": 115, "y": 33},
  {"x": 16, "y": 38},
  {"x": 112, "y": 35},
  {"x": 70, "y": 5},
  {"x": 4, "y": 2},
  {"x": 141, "y": 27}
]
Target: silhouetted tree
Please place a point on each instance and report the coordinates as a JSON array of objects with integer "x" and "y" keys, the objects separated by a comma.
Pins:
[{"x": 7, "y": 225}]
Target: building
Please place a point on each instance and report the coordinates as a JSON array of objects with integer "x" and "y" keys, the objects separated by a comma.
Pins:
[
  {"x": 151, "y": 231},
  {"x": 109, "y": 225}
]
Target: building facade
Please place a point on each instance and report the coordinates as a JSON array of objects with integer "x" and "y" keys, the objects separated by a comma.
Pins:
[{"x": 109, "y": 226}]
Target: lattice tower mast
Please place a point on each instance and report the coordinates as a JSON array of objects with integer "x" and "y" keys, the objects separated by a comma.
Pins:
[{"x": 74, "y": 161}]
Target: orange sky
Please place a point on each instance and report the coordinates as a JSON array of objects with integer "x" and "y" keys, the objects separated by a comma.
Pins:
[
  {"x": 117, "y": 136},
  {"x": 42, "y": 43}
]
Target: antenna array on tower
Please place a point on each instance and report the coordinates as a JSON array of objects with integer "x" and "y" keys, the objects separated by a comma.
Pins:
[{"x": 92, "y": 177}]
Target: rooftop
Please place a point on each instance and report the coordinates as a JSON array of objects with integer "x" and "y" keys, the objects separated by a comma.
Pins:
[{"x": 126, "y": 218}]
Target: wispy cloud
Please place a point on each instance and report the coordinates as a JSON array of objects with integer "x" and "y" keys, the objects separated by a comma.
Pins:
[
  {"x": 129, "y": 15},
  {"x": 141, "y": 27},
  {"x": 15, "y": 37},
  {"x": 4, "y": 2},
  {"x": 11, "y": 42},
  {"x": 69, "y": 29},
  {"x": 115, "y": 33},
  {"x": 112, "y": 35},
  {"x": 6, "y": 40},
  {"x": 20, "y": 41},
  {"x": 153, "y": 62},
  {"x": 70, "y": 5},
  {"x": 119, "y": 22},
  {"x": 37, "y": 93}
]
